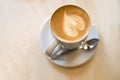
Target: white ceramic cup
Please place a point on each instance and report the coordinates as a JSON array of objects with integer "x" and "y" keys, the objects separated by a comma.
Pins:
[{"x": 58, "y": 46}]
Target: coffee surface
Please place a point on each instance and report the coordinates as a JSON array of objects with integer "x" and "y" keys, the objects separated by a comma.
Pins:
[{"x": 70, "y": 23}]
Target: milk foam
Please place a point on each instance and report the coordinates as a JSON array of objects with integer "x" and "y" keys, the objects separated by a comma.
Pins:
[
  {"x": 70, "y": 24},
  {"x": 73, "y": 24}
]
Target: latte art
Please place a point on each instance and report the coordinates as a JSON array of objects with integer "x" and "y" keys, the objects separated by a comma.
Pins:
[
  {"x": 70, "y": 24},
  {"x": 73, "y": 24}
]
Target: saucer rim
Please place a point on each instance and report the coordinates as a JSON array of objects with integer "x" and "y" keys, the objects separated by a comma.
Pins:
[{"x": 51, "y": 60}]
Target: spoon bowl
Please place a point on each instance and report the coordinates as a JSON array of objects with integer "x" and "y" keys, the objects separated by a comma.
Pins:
[{"x": 90, "y": 44}]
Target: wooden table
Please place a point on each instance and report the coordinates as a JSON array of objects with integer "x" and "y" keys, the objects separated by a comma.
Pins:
[{"x": 20, "y": 54}]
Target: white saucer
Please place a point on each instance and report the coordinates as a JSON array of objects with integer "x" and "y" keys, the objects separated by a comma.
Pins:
[{"x": 70, "y": 59}]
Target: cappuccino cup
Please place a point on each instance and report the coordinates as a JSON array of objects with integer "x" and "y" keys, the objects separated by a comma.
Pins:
[{"x": 70, "y": 25}]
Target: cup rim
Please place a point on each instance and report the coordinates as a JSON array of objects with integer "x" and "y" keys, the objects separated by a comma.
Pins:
[{"x": 60, "y": 39}]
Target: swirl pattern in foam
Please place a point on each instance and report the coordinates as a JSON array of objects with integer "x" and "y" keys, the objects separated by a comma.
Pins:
[
  {"x": 73, "y": 24},
  {"x": 70, "y": 23}
]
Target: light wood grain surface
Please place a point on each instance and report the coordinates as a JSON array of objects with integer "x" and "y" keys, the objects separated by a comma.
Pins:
[{"x": 20, "y": 54}]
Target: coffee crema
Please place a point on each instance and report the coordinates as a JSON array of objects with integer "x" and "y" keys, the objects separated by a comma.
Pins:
[{"x": 70, "y": 23}]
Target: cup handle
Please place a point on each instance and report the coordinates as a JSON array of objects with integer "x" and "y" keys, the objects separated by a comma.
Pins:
[{"x": 55, "y": 49}]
